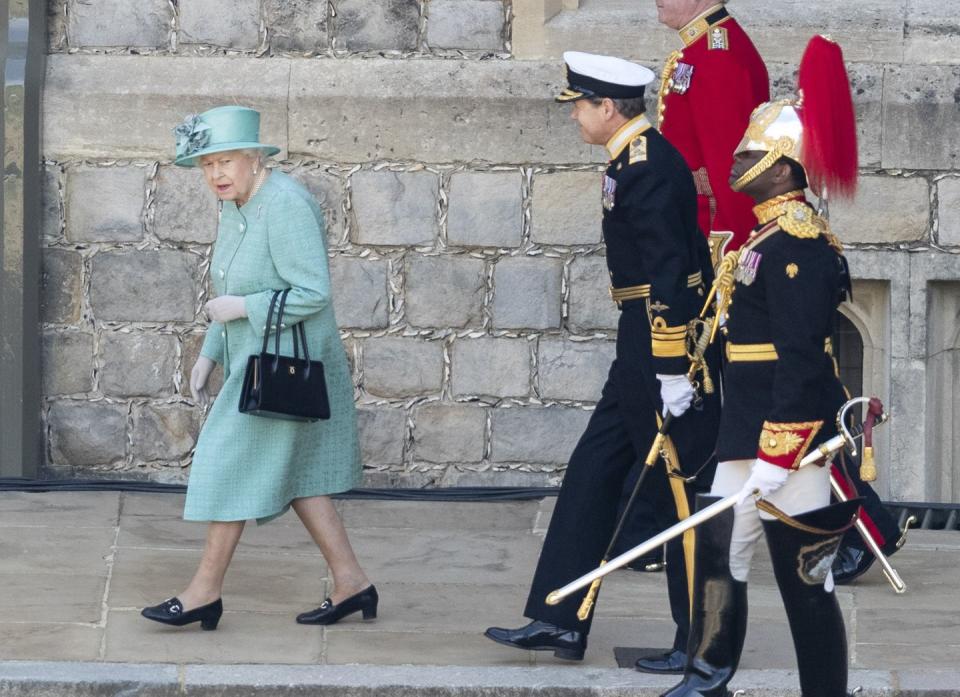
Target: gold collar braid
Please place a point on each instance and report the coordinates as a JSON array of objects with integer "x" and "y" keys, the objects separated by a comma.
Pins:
[{"x": 775, "y": 207}]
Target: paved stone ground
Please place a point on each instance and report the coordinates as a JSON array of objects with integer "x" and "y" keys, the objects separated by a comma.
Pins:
[{"x": 75, "y": 569}]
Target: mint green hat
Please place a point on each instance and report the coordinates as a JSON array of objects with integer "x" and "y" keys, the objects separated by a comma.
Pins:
[{"x": 218, "y": 130}]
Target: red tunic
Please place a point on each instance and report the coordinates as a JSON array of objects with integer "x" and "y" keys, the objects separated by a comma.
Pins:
[{"x": 707, "y": 93}]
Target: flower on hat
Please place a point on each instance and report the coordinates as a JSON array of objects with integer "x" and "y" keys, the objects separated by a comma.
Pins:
[{"x": 192, "y": 135}]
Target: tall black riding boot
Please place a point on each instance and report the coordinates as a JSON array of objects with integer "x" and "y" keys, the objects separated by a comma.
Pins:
[
  {"x": 718, "y": 623},
  {"x": 802, "y": 550}
]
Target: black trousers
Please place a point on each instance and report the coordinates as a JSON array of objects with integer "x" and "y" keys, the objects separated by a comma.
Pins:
[
  {"x": 619, "y": 433},
  {"x": 641, "y": 522}
]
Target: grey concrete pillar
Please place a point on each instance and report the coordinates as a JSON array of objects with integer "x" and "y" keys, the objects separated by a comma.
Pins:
[{"x": 22, "y": 49}]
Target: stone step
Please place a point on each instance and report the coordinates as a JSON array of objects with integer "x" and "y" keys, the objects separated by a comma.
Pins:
[
  {"x": 434, "y": 111},
  {"x": 159, "y": 680}
]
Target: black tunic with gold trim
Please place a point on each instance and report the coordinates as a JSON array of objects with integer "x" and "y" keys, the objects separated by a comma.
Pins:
[
  {"x": 655, "y": 251},
  {"x": 781, "y": 391},
  {"x": 659, "y": 264}
]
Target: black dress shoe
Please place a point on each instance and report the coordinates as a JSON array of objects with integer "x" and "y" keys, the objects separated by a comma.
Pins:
[
  {"x": 851, "y": 563},
  {"x": 542, "y": 636},
  {"x": 171, "y": 612},
  {"x": 365, "y": 601},
  {"x": 650, "y": 564},
  {"x": 669, "y": 663}
]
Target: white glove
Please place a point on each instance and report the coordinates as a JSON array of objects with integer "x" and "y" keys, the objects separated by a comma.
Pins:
[
  {"x": 198, "y": 380},
  {"x": 676, "y": 392},
  {"x": 226, "y": 308},
  {"x": 765, "y": 478},
  {"x": 723, "y": 317}
]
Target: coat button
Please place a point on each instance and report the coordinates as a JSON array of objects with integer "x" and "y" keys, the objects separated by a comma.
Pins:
[
  {"x": 222, "y": 274},
  {"x": 242, "y": 227},
  {"x": 223, "y": 335}
]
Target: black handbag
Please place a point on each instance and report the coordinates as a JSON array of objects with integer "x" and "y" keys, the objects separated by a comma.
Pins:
[{"x": 281, "y": 387}]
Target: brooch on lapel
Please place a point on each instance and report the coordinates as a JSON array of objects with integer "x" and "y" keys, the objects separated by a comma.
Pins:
[
  {"x": 609, "y": 191},
  {"x": 680, "y": 80},
  {"x": 746, "y": 272}
]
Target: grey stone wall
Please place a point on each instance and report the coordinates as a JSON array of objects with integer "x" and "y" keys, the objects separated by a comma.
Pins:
[
  {"x": 464, "y": 237},
  {"x": 276, "y": 27}
]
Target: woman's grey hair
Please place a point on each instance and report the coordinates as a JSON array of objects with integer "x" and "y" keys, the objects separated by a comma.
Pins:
[{"x": 255, "y": 154}]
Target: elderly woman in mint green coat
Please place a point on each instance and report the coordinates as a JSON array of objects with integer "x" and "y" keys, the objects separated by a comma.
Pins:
[{"x": 270, "y": 237}]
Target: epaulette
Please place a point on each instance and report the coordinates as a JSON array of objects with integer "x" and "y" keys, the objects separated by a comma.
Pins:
[
  {"x": 800, "y": 220},
  {"x": 638, "y": 149},
  {"x": 718, "y": 39}
]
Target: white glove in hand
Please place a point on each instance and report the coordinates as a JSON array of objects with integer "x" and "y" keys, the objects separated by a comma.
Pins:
[
  {"x": 226, "y": 308},
  {"x": 765, "y": 478},
  {"x": 723, "y": 317},
  {"x": 676, "y": 392},
  {"x": 198, "y": 380}
]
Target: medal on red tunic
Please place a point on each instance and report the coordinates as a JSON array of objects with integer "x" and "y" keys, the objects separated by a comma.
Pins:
[{"x": 680, "y": 80}]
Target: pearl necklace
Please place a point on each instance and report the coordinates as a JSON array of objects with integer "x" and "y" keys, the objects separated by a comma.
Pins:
[{"x": 261, "y": 177}]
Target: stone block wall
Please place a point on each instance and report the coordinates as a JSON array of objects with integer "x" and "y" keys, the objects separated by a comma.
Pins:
[
  {"x": 277, "y": 27},
  {"x": 463, "y": 223},
  {"x": 451, "y": 310}
]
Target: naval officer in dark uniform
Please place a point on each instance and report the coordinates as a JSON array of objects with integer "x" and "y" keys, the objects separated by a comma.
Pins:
[{"x": 660, "y": 266}]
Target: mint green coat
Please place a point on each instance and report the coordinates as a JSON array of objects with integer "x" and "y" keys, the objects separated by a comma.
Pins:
[{"x": 251, "y": 466}]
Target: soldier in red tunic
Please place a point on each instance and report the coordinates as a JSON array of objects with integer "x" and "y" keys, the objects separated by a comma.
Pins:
[{"x": 708, "y": 90}]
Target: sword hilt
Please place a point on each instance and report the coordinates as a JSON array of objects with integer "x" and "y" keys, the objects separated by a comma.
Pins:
[{"x": 589, "y": 599}]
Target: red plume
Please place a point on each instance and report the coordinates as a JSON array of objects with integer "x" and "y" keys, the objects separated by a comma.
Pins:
[{"x": 829, "y": 124}]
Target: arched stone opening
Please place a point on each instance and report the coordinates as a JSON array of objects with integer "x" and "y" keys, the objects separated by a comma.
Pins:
[
  {"x": 943, "y": 385},
  {"x": 848, "y": 351},
  {"x": 861, "y": 347}
]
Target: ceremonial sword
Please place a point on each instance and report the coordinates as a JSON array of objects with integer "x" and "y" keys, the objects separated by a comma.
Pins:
[{"x": 846, "y": 438}]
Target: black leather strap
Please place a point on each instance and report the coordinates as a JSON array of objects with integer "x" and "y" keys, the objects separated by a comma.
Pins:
[{"x": 266, "y": 330}]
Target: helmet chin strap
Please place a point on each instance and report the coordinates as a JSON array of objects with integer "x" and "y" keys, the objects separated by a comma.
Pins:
[
  {"x": 782, "y": 148},
  {"x": 762, "y": 166}
]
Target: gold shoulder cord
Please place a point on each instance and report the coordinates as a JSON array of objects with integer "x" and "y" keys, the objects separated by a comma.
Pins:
[
  {"x": 725, "y": 282},
  {"x": 799, "y": 220},
  {"x": 666, "y": 84}
]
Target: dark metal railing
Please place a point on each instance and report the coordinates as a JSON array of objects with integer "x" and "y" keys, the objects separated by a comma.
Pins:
[{"x": 22, "y": 52}]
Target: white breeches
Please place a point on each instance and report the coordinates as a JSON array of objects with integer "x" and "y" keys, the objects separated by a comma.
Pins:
[{"x": 805, "y": 490}]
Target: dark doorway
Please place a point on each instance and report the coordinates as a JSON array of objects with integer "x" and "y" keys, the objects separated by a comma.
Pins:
[{"x": 848, "y": 350}]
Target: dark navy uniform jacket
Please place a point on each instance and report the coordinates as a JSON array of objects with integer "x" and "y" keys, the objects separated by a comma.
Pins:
[
  {"x": 655, "y": 247},
  {"x": 781, "y": 390}
]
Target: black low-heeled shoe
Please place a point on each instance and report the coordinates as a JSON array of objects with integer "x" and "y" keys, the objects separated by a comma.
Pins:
[
  {"x": 567, "y": 644},
  {"x": 171, "y": 612},
  {"x": 365, "y": 601}
]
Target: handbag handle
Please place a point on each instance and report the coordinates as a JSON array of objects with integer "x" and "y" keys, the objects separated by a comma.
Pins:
[
  {"x": 266, "y": 330},
  {"x": 283, "y": 302},
  {"x": 306, "y": 353},
  {"x": 276, "y": 350},
  {"x": 297, "y": 330}
]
